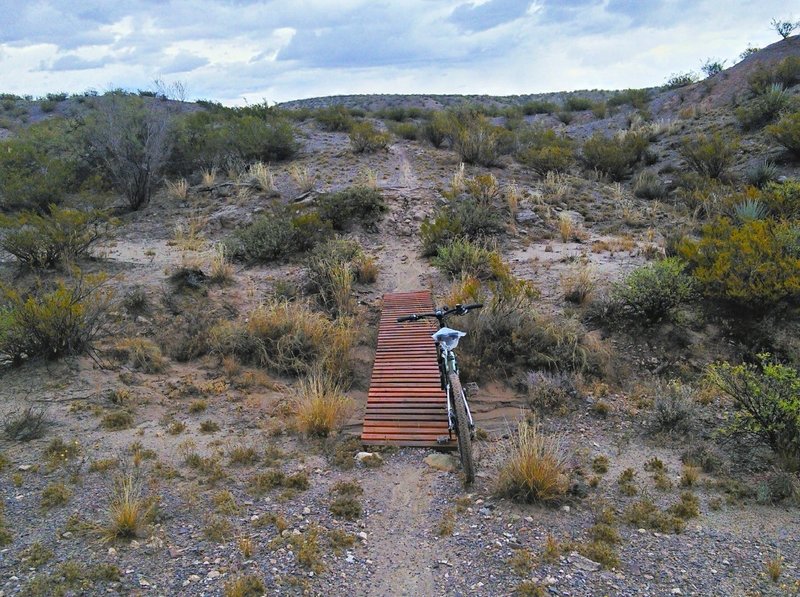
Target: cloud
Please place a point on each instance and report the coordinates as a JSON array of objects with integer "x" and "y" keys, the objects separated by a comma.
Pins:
[
  {"x": 487, "y": 15},
  {"x": 285, "y": 49}
]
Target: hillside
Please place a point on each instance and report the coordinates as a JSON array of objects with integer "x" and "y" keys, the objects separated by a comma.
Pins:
[{"x": 188, "y": 321}]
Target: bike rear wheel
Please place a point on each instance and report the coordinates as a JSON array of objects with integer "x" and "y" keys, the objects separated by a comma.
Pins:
[{"x": 462, "y": 429}]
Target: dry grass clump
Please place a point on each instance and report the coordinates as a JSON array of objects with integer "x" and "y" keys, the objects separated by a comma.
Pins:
[
  {"x": 320, "y": 405},
  {"x": 367, "y": 269},
  {"x": 25, "y": 425},
  {"x": 302, "y": 177},
  {"x": 209, "y": 176},
  {"x": 578, "y": 284},
  {"x": 141, "y": 354},
  {"x": 221, "y": 270},
  {"x": 248, "y": 585},
  {"x": 288, "y": 338},
  {"x": 55, "y": 494},
  {"x": 261, "y": 175},
  {"x": 218, "y": 529},
  {"x": 534, "y": 467},
  {"x": 774, "y": 567},
  {"x": 243, "y": 455},
  {"x": 178, "y": 189},
  {"x": 117, "y": 420},
  {"x": 345, "y": 507},
  {"x": 128, "y": 511},
  {"x": 209, "y": 426},
  {"x": 189, "y": 236}
]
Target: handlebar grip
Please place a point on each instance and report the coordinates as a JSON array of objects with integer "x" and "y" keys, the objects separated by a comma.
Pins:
[
  {"x": 407, "y": 318},
  {"x": 473, "y": 306}
]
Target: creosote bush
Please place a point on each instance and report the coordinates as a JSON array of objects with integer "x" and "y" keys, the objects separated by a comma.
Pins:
[
  {"x": 652, "y": 292},
  {"x": 331, "y": 269},
  {"x": 545, "y": 151},
  {"x": 360, "y": 204},
  {"x": 55, "y": 238},
  {"x": 767, "y": 396},
  {"x": 460, "y": 218},
  {"x": 787, "y": 132},
  {"x": 534, "y": 467},
  {"x": 709, "y": 155},
  {"x": 614, "y": 156},
  {"x": 52, "y": 323},
  {"x": 366, "y": 138},
  {"x": 755, "y": 264}
]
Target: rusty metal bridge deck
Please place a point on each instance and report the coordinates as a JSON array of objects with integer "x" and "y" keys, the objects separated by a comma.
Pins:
[{"x": 406, "y": 405}]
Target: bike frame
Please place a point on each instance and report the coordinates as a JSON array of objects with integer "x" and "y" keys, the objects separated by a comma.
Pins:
[{"x": 449, "y": 364}]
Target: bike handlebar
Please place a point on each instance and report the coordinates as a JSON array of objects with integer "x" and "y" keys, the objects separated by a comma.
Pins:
[{"x": 441, "y": 313}]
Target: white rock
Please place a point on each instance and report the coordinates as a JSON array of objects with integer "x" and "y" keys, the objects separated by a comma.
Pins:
[
  {"x": 565, "y": 508},
  {"x": 306, "y": 510},
  {"x": 194, "y": 578},
  {"x": 24, "y": 467},
  {"x": 676, "y": 591},
  {"x": 112, "y": 551},
  {"x": 362, "y": 535},
  {"x": 212, "y": 574}
]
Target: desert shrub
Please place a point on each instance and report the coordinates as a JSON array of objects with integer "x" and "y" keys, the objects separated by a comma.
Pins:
[
  {"x": 131, "y": 140},
  {"x": 764, "y": 108},
  {"x": 754, "y": 265},
  {"x": 647, "y": 185},
  {"x": 288, "y": 338},
  {"x": 575, "y": 103},
  {"x": 346, "y": 507},
  {"x": 538, "y": 107},
  {"x": 787, "y": 132},
  {"x": 782, "y": 199},
  {"x": 767, "y": 397},
  {"x": 331, "y": 270},
  {"x": 277, "y": 235},
  {"x": 652, "y": 292},
  {"x": 334, "y": 118},
  {"x": 545, "y": 151},
  {"x": 437, "y": 129},
  {"x": 534, "y": 467},
  {"x": 366, "y": 138},
  {"x": 364, "y": 205},
  {"x": 638, "y": 98},
  {"x": 613, "y": 156},
  {"x": 749, "y": 210},
  {"x": 320, "y": 405},
  {"x": 547, "y": 390},
  {"x": 786, "y": 73},
  {"x": 405, "y": 130},
  {"x": 578, "y": 284},
  {"x": 207, "y": 139},
  {"x": 52, "y": 323},
  {"x": 26, "y": 424},
  {"x": 475, "y": 139},
  {"x": 679, "y": 80},
  {"x": 187, "y": 335},
  {"x": 709, "y": 155},
  {"x": 464, "y": 257},
  {"x": 117, "y": 420},
  {"x": 465, "y": 218},
  {"x": 674, "y": 410}
]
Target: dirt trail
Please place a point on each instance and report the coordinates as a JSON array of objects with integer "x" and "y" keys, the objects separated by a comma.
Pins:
[{"x": 400, "y": 542}]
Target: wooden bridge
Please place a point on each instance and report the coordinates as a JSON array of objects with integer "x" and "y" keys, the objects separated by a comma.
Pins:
[{"x": 406, "y": 405}]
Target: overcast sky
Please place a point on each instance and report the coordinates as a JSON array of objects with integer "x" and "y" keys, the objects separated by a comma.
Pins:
[{"x": 241, "y": 50}]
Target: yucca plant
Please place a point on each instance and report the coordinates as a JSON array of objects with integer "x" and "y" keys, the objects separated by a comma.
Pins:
[{"x": 750, "y": 210}]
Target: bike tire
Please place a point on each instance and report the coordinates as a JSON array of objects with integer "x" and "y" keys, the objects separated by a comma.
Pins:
[{"x": 462, "y": 428}]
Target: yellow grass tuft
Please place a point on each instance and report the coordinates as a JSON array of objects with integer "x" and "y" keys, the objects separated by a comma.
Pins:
[
  {"x": 320, "y": 405},
  {"x": 534, "y": 468}
]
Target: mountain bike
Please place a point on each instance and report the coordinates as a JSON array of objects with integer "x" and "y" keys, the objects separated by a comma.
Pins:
[{"x": 459, "y": 417}]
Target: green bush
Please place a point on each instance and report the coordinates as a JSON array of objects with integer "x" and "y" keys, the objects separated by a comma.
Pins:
[
  {"x": 437, "y": 129},
  {"x": 476, "y": 140},
  {"x": 208, "y": 139},
  {"x": 647, "y": 185},
  {"x": 709, "y": 155},
  {"x": 365, "y": 138},
  {"x": 355, "y": 204},
  {"x": 680, "y": 80},
  {"x": 465, "y": 218},
  {"x": 52, "y": 323},
  {"x": 652, "y": 292},
  {"x": 277, "y": 235},
  {"x": 638, "y": 98},
  {"x": 755, "y": 265},
  {"x": 614, "y": 156},
  {"x": 464, "y": 257},
  {"x": 538, "y": 107},
  {"x": 331, "y": 271},
  {"x": 577, "y": 104},
  {"x": 764, "y": 108},
  {"x": 545, "y": 151},
  {"x": 782, "y": 199},
  {"x": 786, "y": 73},
  {"x": 38, "y": 167},
  {"x": 405, "y": 130},
  {"x": 61, "y": 236},
  {"x": 787, "y": 132},
  {"x": 334, "y": 119},
  {"x": 767, "y": 396}
]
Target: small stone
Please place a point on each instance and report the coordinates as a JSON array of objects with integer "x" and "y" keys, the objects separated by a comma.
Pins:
[
  {"x": 442, "y": 462},
  {"x": 134, "y": 544},
  {"x": 641, "y": 531},
  {"x": 565, "y": 508},
  {"x": 550, "y": 580},
  {"x": 306, "y": 510},
  {"x": 66, "y": 535},
  {"x": 529, "y": 519},
  {"x": 24, "y": 467},
  {"x": 254, "y": 518},
  {"x": 583, "y": 563},
  {"x": 350, "y": 559},
  {"x": 194, "y": 578},
  {"x": 676, "y": 591},
  {"x": 112, "y": 552},
  {"x": 212, "y": 574}
]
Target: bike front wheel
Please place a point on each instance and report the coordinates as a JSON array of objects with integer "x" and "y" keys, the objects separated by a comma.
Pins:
[{"x": 462, "y": 429}]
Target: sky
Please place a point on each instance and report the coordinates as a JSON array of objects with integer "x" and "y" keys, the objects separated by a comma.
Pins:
[{"x": 245, "y": 51}]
